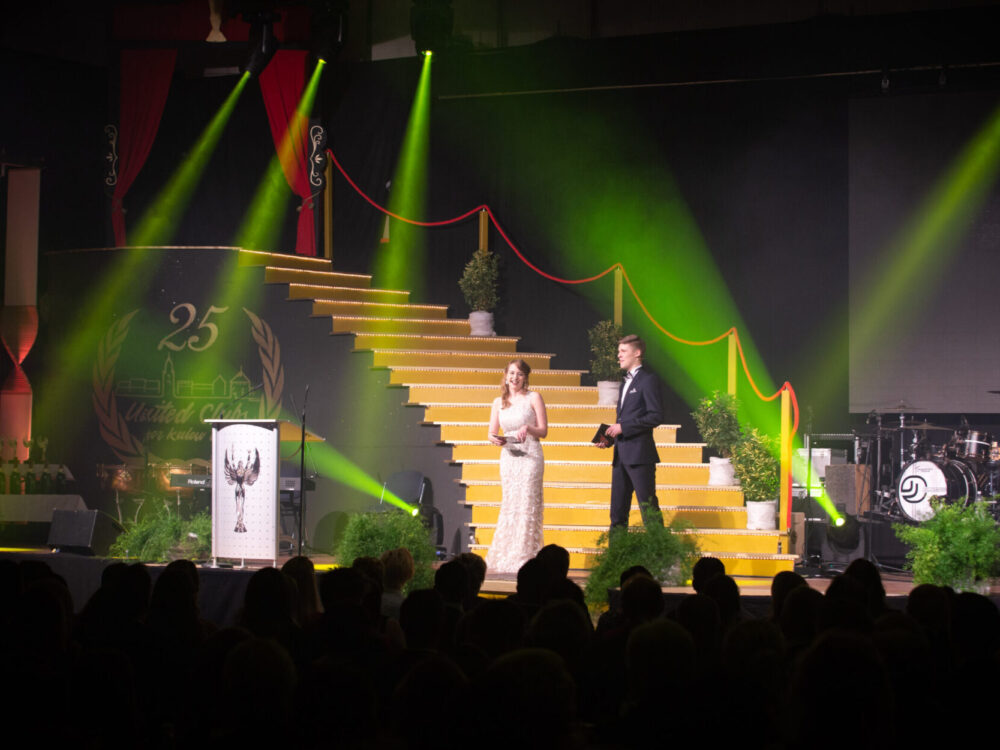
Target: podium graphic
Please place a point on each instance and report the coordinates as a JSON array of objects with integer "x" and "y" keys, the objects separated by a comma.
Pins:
[{"x": 245, "y": 471}]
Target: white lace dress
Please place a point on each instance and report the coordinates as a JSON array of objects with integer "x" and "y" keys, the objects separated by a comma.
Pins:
[{"x": 518, "y": 535}]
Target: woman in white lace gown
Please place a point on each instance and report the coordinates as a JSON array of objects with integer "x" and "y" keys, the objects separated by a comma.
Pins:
[{"x": 521, "y": 415}]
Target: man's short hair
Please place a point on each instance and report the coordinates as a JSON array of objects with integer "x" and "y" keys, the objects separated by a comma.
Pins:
[{"x": 635, "y": 342}]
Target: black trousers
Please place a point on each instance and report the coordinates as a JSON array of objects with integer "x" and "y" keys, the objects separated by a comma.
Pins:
[{"x": 641, "y": 479}]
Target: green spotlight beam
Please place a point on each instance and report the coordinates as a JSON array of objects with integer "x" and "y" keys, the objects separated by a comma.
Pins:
[
  {"x": 236, "y": 287},
  {"x": 399, "y": 264},
  {"x": 334, "y": 465},
  {"x": 911, "y": 264},
  {"x": 160, "y": 221},
  {"x": 261, "y": 225},
  {"x": 123, "y": 286}
]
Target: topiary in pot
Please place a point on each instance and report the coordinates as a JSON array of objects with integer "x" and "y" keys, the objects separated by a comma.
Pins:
[
  {"x": 715, "y": 418},
  {"x": 604, "y": 338},
  {"x": 959, "y": 546},
  {"x": 479, "y": 287},
  {"x": 758, "y": 472}
]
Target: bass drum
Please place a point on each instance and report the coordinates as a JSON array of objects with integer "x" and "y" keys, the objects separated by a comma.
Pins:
[{"x": 952, "y": 481}]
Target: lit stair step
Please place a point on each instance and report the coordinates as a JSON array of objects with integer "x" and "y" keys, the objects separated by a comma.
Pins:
[
  {"x": 283, "y": 260},
  {"x": 377, "y": 309},
  {"x": 377, "y": 324},
  {"x": 593, "y": 514},
  {"x": 737, "y": 564},
  {"x": 353, "y": 294},
  {"x": 557, "y": 413},
  {"x": 478, "y": 376},
  {"x": 578, "y": 433},
  {"x": 427, "y": 393},
  {"x": 328, "y": 278},
  {"x": 468, "y": 450},
  {"x": 416, "y": 358},
  {"x": 741, "y": 541},
  {"x": 599, "y": 493},
  {"x": 591, "y": 471},
  {"x": 424, "y": 342}
]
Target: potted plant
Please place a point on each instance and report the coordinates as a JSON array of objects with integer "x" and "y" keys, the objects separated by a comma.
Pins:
[
  {"x": 758, "y": 473},
  {"x": 479, "y": 287},
  {"x": 665, "y": 551},
  {"x": 372, "y": 534},
  {"x": 715, "y": 417},
  {"x": 959, "y": 546},
  {"x": 604, "y": 338}
]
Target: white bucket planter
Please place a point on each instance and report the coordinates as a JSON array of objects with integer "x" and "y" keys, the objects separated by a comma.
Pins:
[
  {"x": 608, "y": 392},
  {"x": 481, "y": 323},
  {"x": 762, "y": 515},
  {"x": 721, "y": 472}
]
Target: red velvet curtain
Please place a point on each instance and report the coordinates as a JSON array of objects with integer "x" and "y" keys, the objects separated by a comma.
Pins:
[
  {"x": 281, "y": 84},
  {"x": 146, "y": 78}
]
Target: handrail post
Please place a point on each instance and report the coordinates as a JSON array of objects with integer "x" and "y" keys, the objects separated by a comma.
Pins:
[
  {"x": 731, "y": 365},
  {"x": 328, "y": 212},
  {"x": 785, "y": 500},
  {"x": 484, "y": 230},
  {"x": 618, "y": 296}
]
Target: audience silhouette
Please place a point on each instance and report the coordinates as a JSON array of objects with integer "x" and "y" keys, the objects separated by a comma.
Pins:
[{"x": 323, "y": 661}]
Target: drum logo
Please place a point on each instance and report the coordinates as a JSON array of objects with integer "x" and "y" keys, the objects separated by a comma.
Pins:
[{"x": 913, "y": 488}]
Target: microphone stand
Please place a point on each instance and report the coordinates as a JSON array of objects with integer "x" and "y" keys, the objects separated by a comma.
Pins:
[{"x": 302, "y": 471}]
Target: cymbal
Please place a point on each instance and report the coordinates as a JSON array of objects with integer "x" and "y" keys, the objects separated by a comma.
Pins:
[
  {"x": 899, "y": 406},
  {"x": 924, "y": 426}
]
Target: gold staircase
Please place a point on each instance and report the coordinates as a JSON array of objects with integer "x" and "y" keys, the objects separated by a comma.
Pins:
[{"x": 454, "y": 377}]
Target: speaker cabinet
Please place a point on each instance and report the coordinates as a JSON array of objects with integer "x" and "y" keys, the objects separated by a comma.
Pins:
[{"x": 85, "y": 532}]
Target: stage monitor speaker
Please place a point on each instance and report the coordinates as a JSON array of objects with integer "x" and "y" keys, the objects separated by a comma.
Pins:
[
  {"x": 848, "y": 484},
  {"x": 85, "y": 532}
]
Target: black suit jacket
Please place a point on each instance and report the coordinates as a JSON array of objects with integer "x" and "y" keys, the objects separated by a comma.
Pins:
[{"x": 641, "y": 411}]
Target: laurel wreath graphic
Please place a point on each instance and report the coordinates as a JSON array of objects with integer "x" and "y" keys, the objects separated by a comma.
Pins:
[
  {"x": 113, "y": 426},
  {"x": 270, "y": 360},
  {"x": 114, "y": 429}
]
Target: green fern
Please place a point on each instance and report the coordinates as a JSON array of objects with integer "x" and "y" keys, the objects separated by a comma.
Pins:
[
  {"x": 371, "y": 534},
  {"x": 667, "y": 555},
  {"x": 958, "y": 547}
]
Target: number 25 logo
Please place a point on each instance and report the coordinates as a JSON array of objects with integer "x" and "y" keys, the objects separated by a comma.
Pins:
[{"x": 186, "y": 314}]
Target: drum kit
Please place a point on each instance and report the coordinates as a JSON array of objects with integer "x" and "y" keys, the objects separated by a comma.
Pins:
[
  {"x": 911, "y": 468},
  {"x": 133, "y": 484}
]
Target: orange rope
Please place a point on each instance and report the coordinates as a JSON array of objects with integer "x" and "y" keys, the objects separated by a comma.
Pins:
[{"x": 731, "y": 332}]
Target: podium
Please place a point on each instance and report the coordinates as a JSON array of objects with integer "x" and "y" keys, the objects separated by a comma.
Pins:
[{"x": 245, "y": 471}]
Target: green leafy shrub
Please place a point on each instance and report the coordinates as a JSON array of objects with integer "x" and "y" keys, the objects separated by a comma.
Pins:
[
  {"x": 715, "y": 418},
  {"x": 958, "y": 547},
  {"x": 756, "y": 467},
  {"x": 163, "y": 535},
  {"x": 371, "y": 534},
  {"x": 479, "y": 281},
  {"x": 604, "y": 338},
  {"x": 667, "y": 555}
]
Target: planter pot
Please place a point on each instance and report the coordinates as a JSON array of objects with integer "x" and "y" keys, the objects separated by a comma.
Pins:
[
  {"x": 762, "y": 515},
  {"x": 481, "y": 323},
  {"x": 721, "y": 472},
  {"x": 608, "y": 392}
]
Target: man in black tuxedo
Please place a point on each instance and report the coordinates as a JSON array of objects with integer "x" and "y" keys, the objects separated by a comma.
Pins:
[{"x": 640, "y": 409}]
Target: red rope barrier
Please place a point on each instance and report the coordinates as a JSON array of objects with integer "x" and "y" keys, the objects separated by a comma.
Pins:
[{"x": 483, "y": 207}]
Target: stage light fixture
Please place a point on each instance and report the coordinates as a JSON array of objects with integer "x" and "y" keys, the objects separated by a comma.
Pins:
[
  {"x": 431, "y": 23},
  {"x": 263, "y": 44},
  {"x": 327, "y": 30}
]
